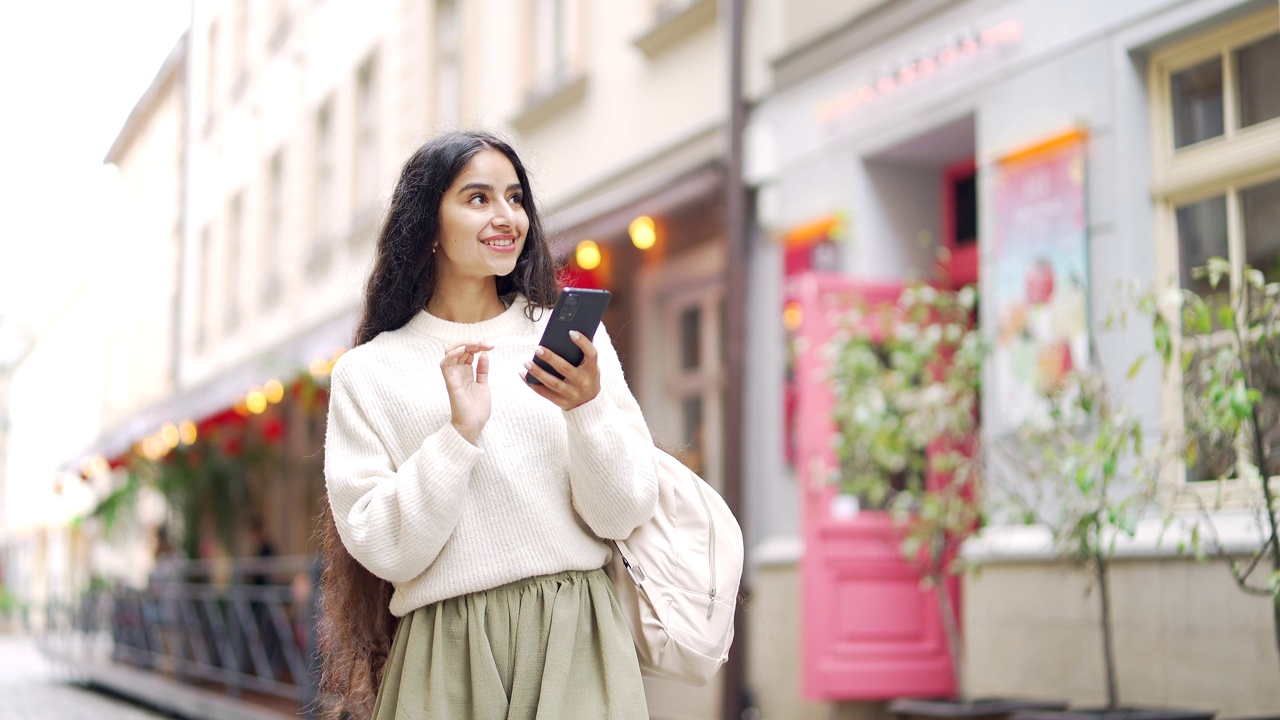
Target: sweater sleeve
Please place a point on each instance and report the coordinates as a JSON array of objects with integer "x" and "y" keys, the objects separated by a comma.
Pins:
[
  {"x": 612, "y": 473},
  {"x": 393, "y": 520}
]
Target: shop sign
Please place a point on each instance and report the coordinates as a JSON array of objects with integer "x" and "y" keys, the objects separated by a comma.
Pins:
[{"x": 937, "y": 59}]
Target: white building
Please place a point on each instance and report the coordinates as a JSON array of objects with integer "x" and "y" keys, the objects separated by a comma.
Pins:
[{"x": 907, "y": 117}]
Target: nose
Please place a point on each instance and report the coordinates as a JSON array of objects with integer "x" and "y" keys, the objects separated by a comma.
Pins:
[{"x": 503, "y": 214}]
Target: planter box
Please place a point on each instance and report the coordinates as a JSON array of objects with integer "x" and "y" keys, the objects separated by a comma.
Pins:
[
  {"x": 976, "y": 709},
  {"x": 1118, "y": 714}
]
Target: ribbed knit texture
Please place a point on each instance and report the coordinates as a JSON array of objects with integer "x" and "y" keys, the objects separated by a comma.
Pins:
[{"x": 418, "y": 505}]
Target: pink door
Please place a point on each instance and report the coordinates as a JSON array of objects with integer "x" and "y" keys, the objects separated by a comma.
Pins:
[{"x": 870, "y": 631}]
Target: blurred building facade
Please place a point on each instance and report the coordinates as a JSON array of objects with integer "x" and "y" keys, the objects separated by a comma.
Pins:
[{"x": 902, "y": 133}]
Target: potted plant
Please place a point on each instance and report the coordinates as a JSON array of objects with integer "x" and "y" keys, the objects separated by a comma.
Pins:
[
  {"x": 1083, "y": 472},
  {"x": 906, "y": 380},
  {"x": 1226, "y": 344}
]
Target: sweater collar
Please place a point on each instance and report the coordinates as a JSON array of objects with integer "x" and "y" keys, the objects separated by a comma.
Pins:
[{"x": 511, "y": 320}]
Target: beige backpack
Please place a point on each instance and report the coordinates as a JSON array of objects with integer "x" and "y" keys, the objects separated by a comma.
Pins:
[{"x": 677, "y": 578}]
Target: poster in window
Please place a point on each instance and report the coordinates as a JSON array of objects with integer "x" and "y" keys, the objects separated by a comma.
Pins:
[{"x": 1040, "y": 276}]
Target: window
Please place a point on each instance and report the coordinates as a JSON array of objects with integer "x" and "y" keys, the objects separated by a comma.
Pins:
[
  {"x": 280, "y": 23},
  {"x": 273, "y": 232},
  {"x": 694, "y": 374},
  {"x": 240, "y": 51},
  {"x": 448, "y": 64},
  {"x": 235, "y": 232},
  {"x": 1215, "y": 109},
  {"x": 211, "y": 77},
  {"x": 1204, "y": 230},
  {"x": 366, "y": 181},
  {"x": 556, "y": 46},
  {"x": 327, "y": 214},
  {"x": 205, "y": 256}
]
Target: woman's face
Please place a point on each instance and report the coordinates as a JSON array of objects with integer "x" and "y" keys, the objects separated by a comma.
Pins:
[{"x": 482, "y": 220}]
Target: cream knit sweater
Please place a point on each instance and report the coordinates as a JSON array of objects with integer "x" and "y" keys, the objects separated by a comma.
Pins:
[{"x": 418, "y": 505}]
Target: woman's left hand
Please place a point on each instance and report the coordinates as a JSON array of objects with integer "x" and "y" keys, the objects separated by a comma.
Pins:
[{"x": 580, "y": 384}]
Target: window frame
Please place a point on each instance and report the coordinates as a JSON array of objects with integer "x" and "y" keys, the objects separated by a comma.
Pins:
[
  {"x": 568, "y": 56},
  {"x": 1238, "y": 159}
]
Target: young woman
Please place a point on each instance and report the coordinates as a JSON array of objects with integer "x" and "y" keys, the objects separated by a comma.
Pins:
[{"x": 469, "y": 510}]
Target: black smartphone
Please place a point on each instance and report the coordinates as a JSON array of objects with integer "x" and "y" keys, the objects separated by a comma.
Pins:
[{"x": 577, "y": 309}]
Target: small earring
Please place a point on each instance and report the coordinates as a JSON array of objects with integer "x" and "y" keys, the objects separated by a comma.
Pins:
[{"x": 433, "y": 248}]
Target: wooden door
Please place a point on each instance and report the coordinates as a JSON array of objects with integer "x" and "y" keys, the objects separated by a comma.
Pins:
[{"x": 870, "y": 631}]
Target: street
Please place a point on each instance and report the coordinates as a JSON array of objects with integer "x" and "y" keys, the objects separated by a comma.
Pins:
[{"x": 32, "y": 688}]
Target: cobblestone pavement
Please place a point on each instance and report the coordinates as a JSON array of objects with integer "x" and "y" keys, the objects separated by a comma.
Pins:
[{"x": 32, "y": 688}]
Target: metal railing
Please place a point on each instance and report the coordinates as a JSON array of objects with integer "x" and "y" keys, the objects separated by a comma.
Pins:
[{"x": 247, "y": 627}]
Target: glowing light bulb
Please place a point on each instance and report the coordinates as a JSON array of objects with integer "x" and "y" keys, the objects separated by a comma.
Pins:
[
  {"x": 588, "y": 255},
  {"x": 170, "y": 435},
  {"x": 792, "y": 316},
  {"x": 187, "y": 432},
  {"x": 643, "y": 232},
  {"x": 256, "y": 401},
  {"x": 274, "y": 391}
]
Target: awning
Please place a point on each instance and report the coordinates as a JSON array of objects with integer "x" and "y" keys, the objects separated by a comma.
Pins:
[{"x": 217, "y": 394}]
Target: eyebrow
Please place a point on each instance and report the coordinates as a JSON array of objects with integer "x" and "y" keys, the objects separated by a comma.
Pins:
[{"x": 485, "y": 187}]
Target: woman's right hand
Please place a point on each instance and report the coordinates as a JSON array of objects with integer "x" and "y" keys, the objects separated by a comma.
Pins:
[{"x": 468, "y": 387}]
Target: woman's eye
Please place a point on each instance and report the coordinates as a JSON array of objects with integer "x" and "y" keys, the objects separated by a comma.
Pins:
[
  {"x": 476, "y": 199},
  {"x": 517, "y": 199}
]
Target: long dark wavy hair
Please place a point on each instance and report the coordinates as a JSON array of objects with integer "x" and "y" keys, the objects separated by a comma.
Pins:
[{"x": 356, "y": 626}]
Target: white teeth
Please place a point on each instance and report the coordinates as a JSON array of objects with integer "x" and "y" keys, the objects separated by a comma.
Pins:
[{"x": 500, "y": 243}]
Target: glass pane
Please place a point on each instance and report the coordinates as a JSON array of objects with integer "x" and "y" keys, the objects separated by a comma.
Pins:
[
  {"x": 690, "y": 338},
  {"x": 1202, "y": 234},
  {"x": 1215, "y": 452},
  {"x": 1258, "y": 66},
  {"x": 1260, "y": 206},
  {"x": 1197, "y": 103},
  {"x": 691, "y": 409}
]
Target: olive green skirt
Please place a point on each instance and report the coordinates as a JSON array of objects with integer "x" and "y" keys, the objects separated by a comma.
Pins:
[{"x": 549, "y": 648}]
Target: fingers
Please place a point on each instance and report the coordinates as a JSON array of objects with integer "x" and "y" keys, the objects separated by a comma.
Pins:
[
  {"x": 583, "y": 342},
  {"x": 482, "y": 369},
  {"x": 564, "y": 367},
  {"x": 463, "y": 353},
  {"x": 546, "y": 378}
]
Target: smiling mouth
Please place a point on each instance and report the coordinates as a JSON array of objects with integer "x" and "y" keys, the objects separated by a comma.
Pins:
[{"x": 500, "y": 242}]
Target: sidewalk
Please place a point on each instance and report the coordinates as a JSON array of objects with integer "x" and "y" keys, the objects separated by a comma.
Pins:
[{"x": 32, "y": 688}]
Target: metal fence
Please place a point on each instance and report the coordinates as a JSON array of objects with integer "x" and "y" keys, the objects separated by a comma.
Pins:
[{"x": 246, "y": 628}]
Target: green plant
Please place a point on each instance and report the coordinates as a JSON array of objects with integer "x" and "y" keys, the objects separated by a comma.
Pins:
[
  {"x": 1226, "y": 344},
  {"x": 1081, "y": 471},
  {"x": 906, "y": 380}
]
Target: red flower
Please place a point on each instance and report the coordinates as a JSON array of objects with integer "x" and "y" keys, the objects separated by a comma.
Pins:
[{"x": 273, "y": 430}]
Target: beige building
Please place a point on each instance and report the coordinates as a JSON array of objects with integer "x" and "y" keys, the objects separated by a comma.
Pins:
[{"x": 298, "y": 116}]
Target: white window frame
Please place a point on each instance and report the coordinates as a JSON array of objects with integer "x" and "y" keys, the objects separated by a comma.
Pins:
[
  {"x": 1240, "y": 158},
  {"x": 556, "y": 46},
  {"x": 449, "y": 22}
]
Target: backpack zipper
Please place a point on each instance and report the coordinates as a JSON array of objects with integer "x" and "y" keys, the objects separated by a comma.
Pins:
[{"x": 711, "y": 543}]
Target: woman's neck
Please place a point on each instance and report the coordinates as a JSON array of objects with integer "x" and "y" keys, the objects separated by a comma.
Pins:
[{"x": 469, "y": 301}]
